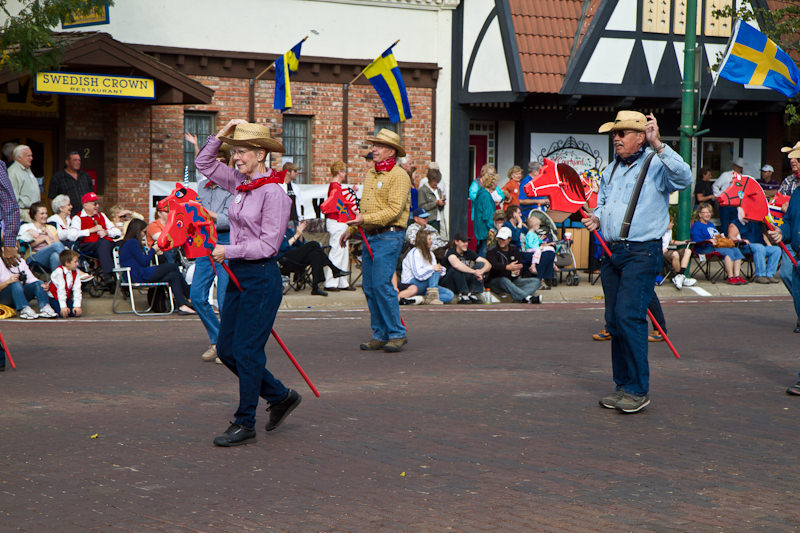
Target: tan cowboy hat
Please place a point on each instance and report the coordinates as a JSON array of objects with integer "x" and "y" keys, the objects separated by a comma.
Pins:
[
  {"x": 794, "y": 154},
  {"x": 791, "y": 148},
  {"x": 389, "y": 138},
  {"x": 626, "y": 120},
  {"x": 254, "y": 136}
]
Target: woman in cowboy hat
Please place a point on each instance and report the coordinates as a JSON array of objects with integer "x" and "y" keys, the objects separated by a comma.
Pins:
[{"x": 258, "y": 217}]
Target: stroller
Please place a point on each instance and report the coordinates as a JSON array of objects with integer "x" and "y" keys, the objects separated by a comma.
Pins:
[{"x": 565, "y": 260}]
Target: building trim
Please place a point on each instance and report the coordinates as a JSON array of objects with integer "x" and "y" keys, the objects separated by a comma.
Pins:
[{"x": 422, "y": 5}]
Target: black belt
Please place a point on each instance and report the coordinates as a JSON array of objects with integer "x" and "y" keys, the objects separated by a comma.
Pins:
[
  {"x": 252, "y": 261},
  {"x": 378, "y": 231}
]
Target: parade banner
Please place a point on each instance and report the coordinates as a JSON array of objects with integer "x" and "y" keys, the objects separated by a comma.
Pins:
[{"x": 95, "y": 85}]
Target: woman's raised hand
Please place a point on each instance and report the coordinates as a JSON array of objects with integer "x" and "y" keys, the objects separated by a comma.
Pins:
[{"x": 228, "y": 128}]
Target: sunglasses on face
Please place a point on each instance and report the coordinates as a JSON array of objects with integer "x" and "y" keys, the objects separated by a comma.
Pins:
[{"x": 621, "y": 134}]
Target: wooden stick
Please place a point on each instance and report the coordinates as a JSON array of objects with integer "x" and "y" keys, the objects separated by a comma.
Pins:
[
  {"x": 365, "y": 68},
  {"x": 273, "y": 64}
]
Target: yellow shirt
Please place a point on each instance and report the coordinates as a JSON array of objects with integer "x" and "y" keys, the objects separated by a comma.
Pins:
[{"x": 386, "y": 198}]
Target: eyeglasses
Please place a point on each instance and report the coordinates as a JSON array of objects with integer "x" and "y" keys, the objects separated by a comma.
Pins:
[
  {"x": 241, "y": 151},
  {"x": 621, "y": 133}
]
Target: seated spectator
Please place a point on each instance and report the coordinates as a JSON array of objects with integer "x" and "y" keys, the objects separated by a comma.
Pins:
[
  {"x": 65, "y": 287},
  {"x": 466, "y": 271},
  {"x": 121, "y": 217},
  {"x": 420, "y": 217},
  {"x": 421, "y": 270},
  {"x": 336, "y": 225},
  {"x": 499, "y": 221},
  {"x": 506, "y": 271},
  {"x": 96, "y": 233},
  {"x": 704, "y": 233},
  {"x": 678, "y": 259},
  {"x": 765, "y": 255},
  {"x": 515, "y": 223},
  {"x": 19, "y": 286},
  {"x": 154, "y": 230},
  {"x": 295, "y": 249},
  {"x": 133, "y": 256},
  {"x": 543, "y": 253},
  {"x": 41, "y": 237},
  {"x": 62, "y": 218}
]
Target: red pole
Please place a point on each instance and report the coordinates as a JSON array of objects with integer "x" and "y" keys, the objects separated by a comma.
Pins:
[
  {"x": 783, "y": 246},
  {"x": 649, "y": 314},
  {"x": 295, "y": 363},
  {"x": 8, "y": 354}
]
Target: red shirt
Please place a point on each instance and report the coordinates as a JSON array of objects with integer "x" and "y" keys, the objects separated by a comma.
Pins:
[{"x": 511, "y": 191}]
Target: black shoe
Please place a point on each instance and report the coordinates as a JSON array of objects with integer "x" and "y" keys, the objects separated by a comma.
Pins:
[
  {"x": 236, "y": 435},
  {"x": 797, "y": 329},
  {"x": 315, "y": 290},
  {"x": 474, "y": 299},
  {"x": 108, "y": 279},
  {"x": 3, "y": 368},
  {"x": 279, "y": 412},
  {"x": 406, "y": 301},
  {"x": 533, "y": 299},
  {"x": 332, "y": 289},
  {"x": 338, "y": 273},
  {"x": 348, "y": 289}
]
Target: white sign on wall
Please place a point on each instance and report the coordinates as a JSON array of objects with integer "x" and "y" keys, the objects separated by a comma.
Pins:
[{"x": 581, "y": 152}]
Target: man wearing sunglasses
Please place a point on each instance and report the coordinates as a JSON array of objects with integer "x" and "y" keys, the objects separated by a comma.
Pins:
[{"x": 629, "y": 275}]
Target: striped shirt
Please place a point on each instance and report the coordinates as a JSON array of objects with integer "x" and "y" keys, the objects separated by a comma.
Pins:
[{"x": 9, "y": 209}]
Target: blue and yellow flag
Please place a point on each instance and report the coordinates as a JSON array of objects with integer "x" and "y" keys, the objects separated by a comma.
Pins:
[
  {"x": 384, "y": 75},
  {"x": 753, "y": 59},
  {"x": 284, "y": 67}
]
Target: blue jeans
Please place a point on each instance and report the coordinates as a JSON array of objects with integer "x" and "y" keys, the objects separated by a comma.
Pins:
[
  {"x": 376, "y": 280},
  {"x": 57, "y": 307},
  {"x": 790, "y": 276},
  {"x": 19, "y": 295},
  {"x": 445, "y": 294},
  {"x": 201, "y": 284},
  {"x": 629, "y": 278},
  {"x": 519, "y": 289},
  {"x": 480, "y": 247},
  {"x": 765, "y": 258},
  {"x": 48, "y": 256},
  {"x": 247, "y": 319}
]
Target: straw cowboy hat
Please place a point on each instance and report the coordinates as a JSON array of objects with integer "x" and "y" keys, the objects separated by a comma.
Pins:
[
  {"x": 626, "y": 120},
  {"x": 253, "y": 136},
  {"x": 794, "y": 154},
  {"x": 389, "y": 138},
  {"x": 791, "y": 148}
]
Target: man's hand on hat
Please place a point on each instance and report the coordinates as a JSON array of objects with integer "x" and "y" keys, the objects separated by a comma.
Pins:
[
  {"x": 228, "y": 128},
  {"x": 11, "y": 255},
  {"x": 651, "y": 131}
]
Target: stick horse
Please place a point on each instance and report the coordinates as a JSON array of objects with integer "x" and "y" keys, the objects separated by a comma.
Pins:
[
  {"x": 568, "y": 194},
  {"x": 745, "y": 192},
  {"x": 189, "y": 225}
]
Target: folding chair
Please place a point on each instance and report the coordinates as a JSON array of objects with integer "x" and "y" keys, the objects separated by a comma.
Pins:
[
  {"x": 295, "y": 276},
  {"x": 38, "y": 269},
  {"x": 123, "y": 281},
  {"x": 704, "y": 262}
]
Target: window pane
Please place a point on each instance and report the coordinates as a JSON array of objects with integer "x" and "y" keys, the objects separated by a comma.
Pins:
[
  {"x": 296, "y": 131},
  {"x": 381, "y": 123},
  {"x": 199, "y": 124}
]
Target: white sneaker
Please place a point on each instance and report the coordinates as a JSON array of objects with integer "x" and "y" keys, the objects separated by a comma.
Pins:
[
  {"x": 47, "y": 312},
  {"x": 27, "y": 313},
  {"x": 677, "y": 280},
  {"x": 210, "y": 354},
  {"x": 689, "y": 282}
]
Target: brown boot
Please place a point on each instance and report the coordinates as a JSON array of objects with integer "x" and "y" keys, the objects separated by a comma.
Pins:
[{"x": 432, "y": 297}]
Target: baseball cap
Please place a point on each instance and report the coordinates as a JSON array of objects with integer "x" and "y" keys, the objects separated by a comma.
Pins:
[
  {"x": 504, "y": 233},
  {"x": 89, "y": 197},
  {"x": 767, "y": 168},
  {"x": 421, "y": 213}
]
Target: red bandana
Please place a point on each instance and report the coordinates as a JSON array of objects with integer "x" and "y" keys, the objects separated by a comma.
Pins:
[
  {"x": 208, "y": 184},
  {"x": 255, "y": 184},
  {"x": 386, "y": 165}
]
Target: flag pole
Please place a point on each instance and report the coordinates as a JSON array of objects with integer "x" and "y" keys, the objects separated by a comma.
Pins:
[
  {"x": 371, "y": 62},
  {"x": 273, "y": 63},
  {"x": 721, "y": 66}
]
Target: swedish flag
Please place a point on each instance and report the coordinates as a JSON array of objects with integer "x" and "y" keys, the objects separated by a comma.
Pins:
[
  {"x": 284, "y": 67},
  {"x": 384, "y": 75},
  {"x": 753, "y": 59}
]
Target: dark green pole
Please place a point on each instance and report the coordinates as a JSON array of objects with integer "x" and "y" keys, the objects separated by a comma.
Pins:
[{"x": 687, "y": 114}]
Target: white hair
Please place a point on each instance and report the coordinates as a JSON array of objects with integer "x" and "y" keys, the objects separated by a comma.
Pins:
[
  {"x": 19, "y": 149},
  {"x": 59, "y": 202}
]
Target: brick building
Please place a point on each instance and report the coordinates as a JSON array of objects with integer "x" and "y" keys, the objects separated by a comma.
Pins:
[{"x": 200, "y": 84}]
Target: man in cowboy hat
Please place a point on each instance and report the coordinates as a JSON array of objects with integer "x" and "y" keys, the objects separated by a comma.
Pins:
[
  {"x": 791, "y": 181},
  {"x": 629, "y": 275},
  {"x": 384, "y": 214}
]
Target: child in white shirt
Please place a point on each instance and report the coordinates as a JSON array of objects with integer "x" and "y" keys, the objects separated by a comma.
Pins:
[{"x": 65, "y": 286}]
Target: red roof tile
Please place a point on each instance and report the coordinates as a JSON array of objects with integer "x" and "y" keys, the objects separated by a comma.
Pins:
[{"x": 545, "y": 31}]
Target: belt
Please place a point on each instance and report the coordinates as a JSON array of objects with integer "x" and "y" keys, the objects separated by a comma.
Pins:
[
  {"x": 384, "y": 230},
  {"x": 252, "y": 261}
]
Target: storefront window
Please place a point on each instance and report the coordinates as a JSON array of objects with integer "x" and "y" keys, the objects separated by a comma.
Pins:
[
  {"x": 200, "y": 124},
  {"x": 297, "y": 142}
]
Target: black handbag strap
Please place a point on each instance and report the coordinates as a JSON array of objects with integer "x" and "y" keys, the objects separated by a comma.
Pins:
[{"x": 637, "y": 189}]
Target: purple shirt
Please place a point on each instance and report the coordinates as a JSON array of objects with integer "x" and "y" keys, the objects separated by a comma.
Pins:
[
  {"x": 9, "y": 209},
  {"x": 259, "y": 219}
]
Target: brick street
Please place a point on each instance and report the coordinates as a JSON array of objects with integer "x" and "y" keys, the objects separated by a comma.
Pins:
[{"x": 488, "y": 421}]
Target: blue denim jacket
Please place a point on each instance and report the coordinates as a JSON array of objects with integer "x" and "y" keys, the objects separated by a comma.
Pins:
[{"x": 667, "y": 173}]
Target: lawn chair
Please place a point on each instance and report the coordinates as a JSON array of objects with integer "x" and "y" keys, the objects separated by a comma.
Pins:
[{"x": 124, "y": 283}]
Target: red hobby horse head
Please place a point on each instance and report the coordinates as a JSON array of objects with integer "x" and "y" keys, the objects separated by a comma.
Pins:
[
  {"x": 745, "y": 192},
  {"x": 563, "y": 186},
  {"x": 189, "y": 225},
  {"x": 181, "y": 194}
]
